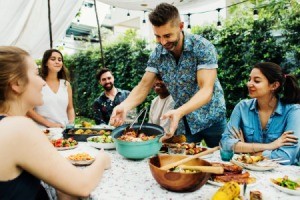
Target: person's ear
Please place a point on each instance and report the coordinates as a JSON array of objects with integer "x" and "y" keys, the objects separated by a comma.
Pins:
[
  {"x": 275, "y": 85},
  {"x": 17, "y": 87},
  {"x": 181, "y": 25}
]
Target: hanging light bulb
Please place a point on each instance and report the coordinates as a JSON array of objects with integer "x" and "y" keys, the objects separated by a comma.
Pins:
[
  {"x": 189, "y": 22},
  {"x": 113, "y": 8},
  {"x": 219, "y": 24},
  {"x": 255, "y": 11},
  {"x": 144, "y": 20},
  {"x": 128, "y": 14},
  {"x": 255, "y": 14}
]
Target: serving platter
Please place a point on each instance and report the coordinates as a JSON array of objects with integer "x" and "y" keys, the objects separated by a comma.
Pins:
[
  {"x": 220, "y": 184},
  {"x": 264, "y": 165}
]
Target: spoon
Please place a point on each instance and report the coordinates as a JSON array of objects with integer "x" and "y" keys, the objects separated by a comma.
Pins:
[{"x": 180, "y": 162}]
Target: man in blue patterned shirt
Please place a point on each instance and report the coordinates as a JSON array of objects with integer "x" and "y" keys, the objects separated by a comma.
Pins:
[
  {"x": 111, "y": 97},
  {"x": 188, "y": 66}
]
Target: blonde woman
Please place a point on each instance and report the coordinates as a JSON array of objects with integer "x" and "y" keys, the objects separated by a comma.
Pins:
[{"x": 27, "y": 156}]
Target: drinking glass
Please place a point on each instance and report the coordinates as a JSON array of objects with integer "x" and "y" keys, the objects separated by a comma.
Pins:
[{"x": 226, "y": 154}]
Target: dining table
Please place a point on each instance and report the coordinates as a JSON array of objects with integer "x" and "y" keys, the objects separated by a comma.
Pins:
[{"x": 132, "y": 179}]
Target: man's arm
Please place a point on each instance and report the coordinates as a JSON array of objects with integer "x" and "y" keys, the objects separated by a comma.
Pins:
[
  {"x": 136, "y": 97},
  {"x": 139, "y": 92},
  {"x": 206, "y": 80}
]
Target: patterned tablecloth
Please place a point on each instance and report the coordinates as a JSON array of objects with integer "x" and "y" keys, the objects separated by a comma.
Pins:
[{"x": 128, "y": 179}]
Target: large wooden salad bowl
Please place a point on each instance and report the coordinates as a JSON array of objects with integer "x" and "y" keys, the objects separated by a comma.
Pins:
[{"x": 175, "y": 181}]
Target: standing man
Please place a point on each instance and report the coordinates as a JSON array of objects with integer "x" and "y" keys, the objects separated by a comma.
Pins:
[
  {"x": 161, "y": 104},
  {"x": 188, "y": 66},
  {"x": 111, "y": 97}
]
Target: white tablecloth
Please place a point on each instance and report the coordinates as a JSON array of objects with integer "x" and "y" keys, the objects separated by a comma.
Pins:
[{"x": 128, "y": 179}]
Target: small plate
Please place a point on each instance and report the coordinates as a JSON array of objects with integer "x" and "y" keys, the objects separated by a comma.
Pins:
[
  {"x": 82, "y": 162},
  {"x": 259, "y": 166},
  {"x": 65, "y": 148},
  {"x": 285, "y": 190}
]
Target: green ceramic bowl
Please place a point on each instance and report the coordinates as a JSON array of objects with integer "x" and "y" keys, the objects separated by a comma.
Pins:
[{"x": 139, "y": 150}]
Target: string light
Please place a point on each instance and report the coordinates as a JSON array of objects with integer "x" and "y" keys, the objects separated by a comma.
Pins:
[
  {"x": 255, "y": 12},
  {"x": 189, "y": 21},
  {"x": 144, "y": 20},
  {"x": 219, "y": 24}
]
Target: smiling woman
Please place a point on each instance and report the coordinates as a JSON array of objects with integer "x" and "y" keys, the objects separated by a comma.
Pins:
[
  {"x": 57, "y": 110},
  {"x": 268, "y": 121}
]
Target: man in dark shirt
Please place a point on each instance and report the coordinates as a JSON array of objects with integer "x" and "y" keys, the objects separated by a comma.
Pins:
[{"x": 111, "y": 97}]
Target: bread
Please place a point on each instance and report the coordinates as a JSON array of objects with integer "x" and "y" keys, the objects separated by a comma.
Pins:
[{"x": 255, "y": 195}]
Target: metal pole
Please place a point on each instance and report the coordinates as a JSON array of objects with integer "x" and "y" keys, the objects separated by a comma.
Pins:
[
  {"x": 99, "y": 35},
  {"x": 50, "y": 26}
]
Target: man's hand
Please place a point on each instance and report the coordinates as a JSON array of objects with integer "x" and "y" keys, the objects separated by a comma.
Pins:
[
  {"x": 174, "y": 116},
  {"x": 118, "y": 116},
  {"x": 286, "y": 139}
]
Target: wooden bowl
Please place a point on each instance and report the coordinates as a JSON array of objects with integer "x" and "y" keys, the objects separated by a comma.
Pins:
[{"x": 178, "y": 182}]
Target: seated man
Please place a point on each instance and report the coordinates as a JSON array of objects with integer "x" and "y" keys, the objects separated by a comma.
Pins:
[
  {"x": 111, "y": 97},
  {"x": 160, "y": 104}
]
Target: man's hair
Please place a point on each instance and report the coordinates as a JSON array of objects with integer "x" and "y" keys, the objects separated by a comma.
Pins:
[
  {"x": 164, "y": 13},
  {"x": 102, "y": 71}
]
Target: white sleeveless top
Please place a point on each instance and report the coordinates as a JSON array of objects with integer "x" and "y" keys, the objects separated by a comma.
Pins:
[{"x": 55, "y": 105}]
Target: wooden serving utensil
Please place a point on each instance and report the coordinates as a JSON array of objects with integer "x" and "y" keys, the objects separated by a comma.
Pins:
[
  {"x": 180, "y": 162},
  {"x": 207, "y": 169}
]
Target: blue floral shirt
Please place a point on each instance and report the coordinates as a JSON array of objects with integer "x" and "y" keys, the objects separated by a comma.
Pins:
[
  {"x": 181, "y": 79},
  {"x": 103, "y": 106},
  {"x": 285, "y": 118}
]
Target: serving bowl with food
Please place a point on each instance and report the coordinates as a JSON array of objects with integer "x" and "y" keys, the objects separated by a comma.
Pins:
[
  {"x": 177, "y": 179},
  {"x": 134, "y": 144}
]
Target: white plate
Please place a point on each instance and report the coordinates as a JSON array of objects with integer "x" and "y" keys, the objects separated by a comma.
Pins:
[
  {"x": 100, "y": 145},
  {"x": 221, "y": 184},
  {"x": 259, "y": 166},
  {"x": 65, "y": 148},
  {"x": 286, "y": 190},
  {"x": 82, "y": 162}
]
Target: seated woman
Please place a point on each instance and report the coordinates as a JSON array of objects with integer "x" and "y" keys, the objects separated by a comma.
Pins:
[
  {"x": 268, "y": 123},
  {"x": 26, "y": 155}
]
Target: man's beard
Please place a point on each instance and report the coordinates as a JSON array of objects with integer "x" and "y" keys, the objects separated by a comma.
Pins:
[
  {"x": 172, "y": 44},
  {"x": 108, "y": 87}
]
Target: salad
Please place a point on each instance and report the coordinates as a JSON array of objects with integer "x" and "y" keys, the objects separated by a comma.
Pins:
[{"x": 287, "y": 183}]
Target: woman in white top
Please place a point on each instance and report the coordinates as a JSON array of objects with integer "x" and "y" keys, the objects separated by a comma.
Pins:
[{"x": 57, "y": 110}]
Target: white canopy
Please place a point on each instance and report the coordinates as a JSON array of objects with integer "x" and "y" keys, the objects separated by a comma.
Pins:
[{"x": 24, "y": 23}]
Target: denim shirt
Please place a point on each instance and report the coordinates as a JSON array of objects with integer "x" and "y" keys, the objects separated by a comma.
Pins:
[
  {"x": 103, "y": 106},
  {"x": 181, "y": 79},
  {"x": 285, "y": 118}
]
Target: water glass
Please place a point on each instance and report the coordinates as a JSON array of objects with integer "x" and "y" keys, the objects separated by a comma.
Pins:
[{"x": 226, "y": 155}]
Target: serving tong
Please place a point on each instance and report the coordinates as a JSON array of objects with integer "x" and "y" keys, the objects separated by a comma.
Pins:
[{"x": 129, "y": 127}]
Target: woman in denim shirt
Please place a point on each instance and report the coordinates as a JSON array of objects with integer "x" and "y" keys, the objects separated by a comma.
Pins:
[{"x": 267, "y": 123}]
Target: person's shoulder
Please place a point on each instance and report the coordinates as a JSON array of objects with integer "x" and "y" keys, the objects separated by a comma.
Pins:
[
  {"x": 291, "y": 107},
  {"x": 17, "y": 124},
  {"x": 246, "y": 103}
]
